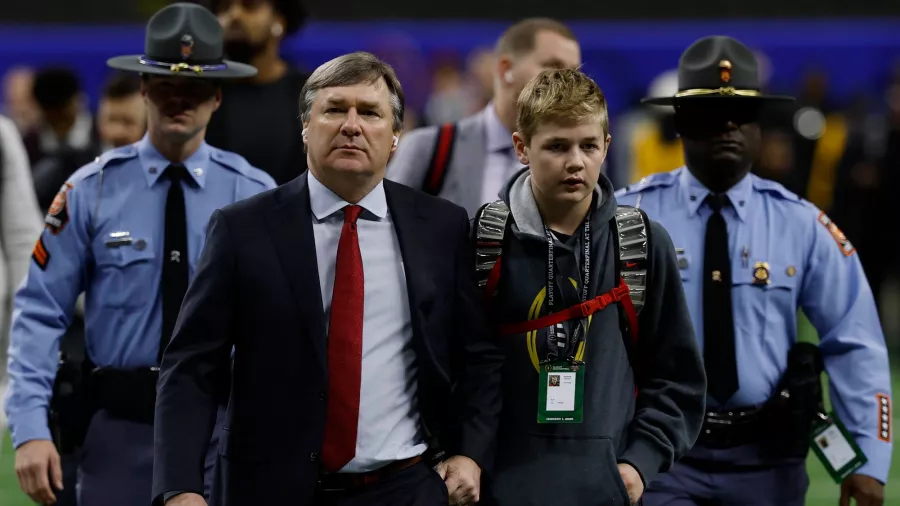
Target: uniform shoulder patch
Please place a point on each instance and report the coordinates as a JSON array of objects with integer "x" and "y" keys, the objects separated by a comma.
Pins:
[
  {"x": 58, "y": 214},
  {"x": 39, "y": 254},
  {"x": 884, "y": 417},
  {"x": 846, "y": 247}
]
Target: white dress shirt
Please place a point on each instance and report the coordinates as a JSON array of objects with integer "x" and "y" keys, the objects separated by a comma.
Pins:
[{"x": 389, "y": 420}]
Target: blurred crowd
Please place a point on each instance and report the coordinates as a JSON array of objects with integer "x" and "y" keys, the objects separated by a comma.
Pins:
[{"x": 841, "y": 156}]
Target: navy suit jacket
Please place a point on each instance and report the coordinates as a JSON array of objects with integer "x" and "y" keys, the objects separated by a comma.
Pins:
[{"x": 256, "y": 289}]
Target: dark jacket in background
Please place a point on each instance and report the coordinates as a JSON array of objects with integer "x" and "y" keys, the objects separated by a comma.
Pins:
[{"x": 261, "y": 123}]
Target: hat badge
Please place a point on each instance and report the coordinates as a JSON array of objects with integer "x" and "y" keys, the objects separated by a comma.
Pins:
[
  {"x": 725, "y": 71},
  {"x": 187, "y": 46}
]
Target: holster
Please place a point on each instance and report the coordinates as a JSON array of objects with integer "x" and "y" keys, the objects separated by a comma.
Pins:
[
  {"x": 787, "y": 417},
  {"x": 70, "y": 409}
]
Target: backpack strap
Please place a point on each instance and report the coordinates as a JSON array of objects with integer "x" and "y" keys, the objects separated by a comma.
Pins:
[
  {"x": 633, "y": 246},
  {"x": 490, "y": 228},
  {"x": 440, "y": 159}
]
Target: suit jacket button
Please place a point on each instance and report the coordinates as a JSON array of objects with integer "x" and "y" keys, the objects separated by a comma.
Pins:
[
  {"x": 321, "y": 396},
  {"x": 313, "y": 456}
]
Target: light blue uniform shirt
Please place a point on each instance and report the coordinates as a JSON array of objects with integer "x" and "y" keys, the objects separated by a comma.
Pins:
[
  {"x": 811, "y": 266},
  {"x": 120, "y": 195}
]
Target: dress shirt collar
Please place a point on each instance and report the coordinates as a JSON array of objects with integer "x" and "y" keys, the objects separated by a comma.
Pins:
[
  {"x": 154, "y": 164},
  {"x": 324, "y": 202},
  {"x": 498, "y": 138},
  {"x": 695, "y": 193}
]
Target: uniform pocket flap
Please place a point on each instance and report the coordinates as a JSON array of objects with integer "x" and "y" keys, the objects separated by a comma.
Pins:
[
  {"x": 766, "y": 275},
  {"x": 124, "y": 256}
]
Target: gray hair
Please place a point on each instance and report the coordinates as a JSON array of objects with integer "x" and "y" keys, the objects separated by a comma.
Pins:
[{"x": 350, "y": 69}]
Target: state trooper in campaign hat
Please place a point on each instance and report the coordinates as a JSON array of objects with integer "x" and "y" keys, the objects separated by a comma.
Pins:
[
  {"x": 186, "y": 40},
  {"x": 126, "y": 230},
  {"x": 717, "y": 67},
  {"x": 752, "y": 254}
]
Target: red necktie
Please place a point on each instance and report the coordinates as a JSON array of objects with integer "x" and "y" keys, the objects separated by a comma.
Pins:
[{"x": 345, "y": 332}]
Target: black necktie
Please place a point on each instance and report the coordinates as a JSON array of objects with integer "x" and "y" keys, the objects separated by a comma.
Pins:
[
  {"x": 175, "y": 255},
  {"x": 718, "y": 321}
]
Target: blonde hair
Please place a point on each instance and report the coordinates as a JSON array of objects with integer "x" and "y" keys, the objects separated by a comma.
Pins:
[{"x": 559, "y": 96}]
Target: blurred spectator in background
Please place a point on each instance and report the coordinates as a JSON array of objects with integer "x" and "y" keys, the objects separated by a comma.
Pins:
[
  {"x": 476, "y": 155},
  {"x": 259, "y": 116},
  {"x": 66, "y": 121},
  {"x": 121, "y": 115},
  {"x": 480, "y": 78},
  {"x": 648, "y": 138},
  {"x": 448, "y": 101},
  {"x": 67, "y": 137},
  {"x": 18, "y": 101},
  {"x": 20, "y": 226}
]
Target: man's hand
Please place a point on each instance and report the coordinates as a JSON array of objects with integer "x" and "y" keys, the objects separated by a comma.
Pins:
[
  {"x": 463, "y": 479},
  {"x": 866, "y": 490},
  {"x": 633, "y": 482},
  {"x": 186, "y": 499},
  {"x": 37, "y": 464}
]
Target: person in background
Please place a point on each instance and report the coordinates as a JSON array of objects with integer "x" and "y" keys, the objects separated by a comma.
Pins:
[
  {"x": 121, "y": 120},
  {"x": 127, "y": 230},
  {"x": 121, "y": 115},
  {"x": 20, "y": 224},
  {"x": 751, "y": 255},
  {"x": 259, "y": 115},
  {"x": 468, "y": 162},
  {"x": 18, "y": 100},
  {"x": 66, "y": 123},
  {"x": 649, "y": 142},
  {"x": 479, "y": 77}
]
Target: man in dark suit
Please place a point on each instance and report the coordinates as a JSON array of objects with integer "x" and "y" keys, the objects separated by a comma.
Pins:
[{"x": 333, "y": 400}]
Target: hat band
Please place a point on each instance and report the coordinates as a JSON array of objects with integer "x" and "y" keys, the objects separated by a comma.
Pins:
[
  {"x": 178, "y": 67},
  {"x": 724, "y": 92}
]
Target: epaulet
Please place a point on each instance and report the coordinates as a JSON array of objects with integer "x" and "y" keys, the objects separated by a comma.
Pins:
[
  {"x": 659, "y": 180},
  {"x": 634, "y": 251},
  {"x": 490, "y": 227},
  {"x": 775, "y": 189},
  {"x": 105, "y": 161},
  {"x": 239, "y": 164}
]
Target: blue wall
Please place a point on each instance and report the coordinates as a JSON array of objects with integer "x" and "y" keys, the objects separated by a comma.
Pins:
[{"x": 858, "y": 55}]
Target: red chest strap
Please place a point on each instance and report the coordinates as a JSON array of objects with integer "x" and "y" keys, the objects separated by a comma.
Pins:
[{"x": 583, "y": 310}]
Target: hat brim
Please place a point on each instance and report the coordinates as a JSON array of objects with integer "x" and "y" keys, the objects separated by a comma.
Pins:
[
  {"x": 132, "y": 63},
  {"x": 760, "y": 99}
]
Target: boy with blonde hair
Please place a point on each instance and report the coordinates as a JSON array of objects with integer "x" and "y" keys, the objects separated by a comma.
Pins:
[{"x": 576, "y": 288}]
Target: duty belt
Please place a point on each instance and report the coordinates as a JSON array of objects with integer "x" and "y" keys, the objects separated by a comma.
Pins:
[
  {"x": 128, "y": 394},
  {"x": 728, "y": 429}
]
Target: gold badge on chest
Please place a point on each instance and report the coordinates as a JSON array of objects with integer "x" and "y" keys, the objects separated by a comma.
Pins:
[{"x": 761, "y": 274}]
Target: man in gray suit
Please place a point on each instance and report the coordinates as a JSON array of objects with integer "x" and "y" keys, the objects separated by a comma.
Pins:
[{"x": 469, "y": 162}]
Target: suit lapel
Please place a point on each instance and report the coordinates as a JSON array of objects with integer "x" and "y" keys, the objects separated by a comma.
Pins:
[
  {"x": 412, "y": 234},
  {"x": 290, "y": 226}
]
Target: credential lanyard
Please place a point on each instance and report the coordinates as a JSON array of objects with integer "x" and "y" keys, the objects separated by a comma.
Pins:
[{"x": 559, "y": 344}]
